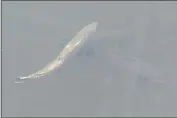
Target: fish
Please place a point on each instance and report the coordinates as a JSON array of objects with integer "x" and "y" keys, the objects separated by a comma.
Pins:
[{"x": 72, "y": 45}]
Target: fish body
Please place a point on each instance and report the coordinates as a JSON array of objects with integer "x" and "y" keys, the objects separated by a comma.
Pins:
[{"x": 77, "y": 40}]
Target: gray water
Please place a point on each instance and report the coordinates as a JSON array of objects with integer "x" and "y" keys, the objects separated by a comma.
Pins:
[{"x": 127, "y": 68}]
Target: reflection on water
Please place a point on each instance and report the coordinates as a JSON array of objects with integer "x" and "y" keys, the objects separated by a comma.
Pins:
[{"x": 123, "y": 80}]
